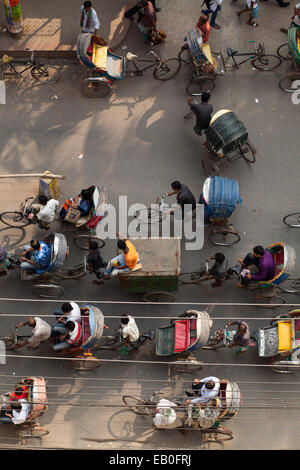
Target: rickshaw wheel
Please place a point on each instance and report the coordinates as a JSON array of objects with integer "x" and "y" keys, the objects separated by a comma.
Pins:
[
  {"x": 214, "y": 343},
  {"x": 292, "y": 220},
  {"x": 223, "y": 237},
  {"x": 210, "y": 168},
  {"x": 75, "y": 272},
  {"x": 281, "y": 369},
  {"x": 167, "y": 69},
  {"x": 282, "y": 52},
  {"x": 159, "y": 296},
  {"x": 248, "y": 156},
  {"x": 185, "y": 55},
  {"x": 286, "y": 83},
  {"x": 82, "y": 241},
  {"x": 199, "y": 85},
  {"x": 294, "y": 286},
  {"x": 39, "y": 431},
  {"x": 89, "y": 363},
  {"x": 48, "y": 291},
  {"x": 218, "y": 434},
  {"x": 137, "y": 405},
  {"x": 266, "y": 62},
  {"x": 192, "y": 277},
  {"x": 92, "y": 87}
]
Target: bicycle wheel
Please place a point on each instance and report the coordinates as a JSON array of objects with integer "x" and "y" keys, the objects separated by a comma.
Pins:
[
  {"x": 82, "y": 241},
  {"x": 198, "y": 86},
  {"x": 210, "y": 168},
  {"x": 109, "y": 343},
  {"x": 48, "y": 291},
  {"x": 75, "y": 272},
  {"x": 281, "y": 369},
  {"x": 158, "y": 296},
  {"x": 218, "y": 434},
  {"x": 39, "y": 431},
  {"x": 9, "y": 342},
  {"x": 223, "y": 237},
  {"x": 46, "y": 73},
  {"x": 167, "y": 69},
  {"x": 286, "y": 83},
  {"x": 292, "y": 220},
  {"x": 214, "y": 343},
  {"x": 14, "y": 219},
  {"x": 137, "y": 405},
  {"x": 185, "y": 55},
  {"x": 192, "y": 277},
  {"x": 95, "y": 87},
  {"x": 86, "y": 363},
  {"x": 266, "y": 62},
  {"x": 283, "y": 51},
  {"x": 291, "y": 286},
  {"x": 148, "y": 216},
  {"x": 248, "y": 152}
]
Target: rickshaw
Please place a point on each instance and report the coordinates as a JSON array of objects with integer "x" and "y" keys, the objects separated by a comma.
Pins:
[
  {"x": 290, "y": 51},
  {"x": 37, "y": 397},
  {"x": 281, "y": 342},
  {"x": 206, "y": 65},
  {"x": 220, "y": 197},
  {"x": 226, "y": 135}
]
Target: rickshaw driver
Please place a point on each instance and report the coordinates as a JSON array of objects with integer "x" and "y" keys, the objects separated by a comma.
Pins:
[
  {"x": 130, "y": 332},
  {"x": 41, "y": 254},
  {"x": 20, "y": 410},
  {"x": 184, "y": 196},
  {"x": 263, "y": 260},
  {"x": 41, "y": 331},
  {"x": 210, "y": 389}
]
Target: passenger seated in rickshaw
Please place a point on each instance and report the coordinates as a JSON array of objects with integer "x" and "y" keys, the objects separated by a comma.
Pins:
[
  {"x": 35, "y": 257},
  {"x": 263, "y": 260},
  {"x": 124, "y": 262},
  {"x": 82, "y": 202},
  {"x": 15, "y": 411},
  {"x": 73, "y": 337}
]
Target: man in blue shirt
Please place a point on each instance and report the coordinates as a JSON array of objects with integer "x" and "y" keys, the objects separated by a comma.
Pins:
[{"x": 35, "y": 257}]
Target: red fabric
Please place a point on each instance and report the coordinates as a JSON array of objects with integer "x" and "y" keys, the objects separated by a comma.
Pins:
[
  {"x": 205, "y": 29},
  {"x": 193, "y": 324},
  {"x": 181, "y": 335},
  {"x": 93, "y": 222},
  {"x": 297, "y": 325},
  {"x": 278, "y": 260},
  {"x": 24, "y": 394}
]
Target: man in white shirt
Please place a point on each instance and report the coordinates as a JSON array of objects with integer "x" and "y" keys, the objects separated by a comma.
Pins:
[
  {"x": 252, "y": 8},
  {"x": 214, "y": 6},
  {"x": 70, "y": 311},
  {"x": 89, "y": 21},
  {"x": 209, "y": 390},
  {"x": 44, "y": 211},
  {"x": 130, "y": 332},
  {"x": 20, "y": 411},
  {"x": 41, "y": 331}
]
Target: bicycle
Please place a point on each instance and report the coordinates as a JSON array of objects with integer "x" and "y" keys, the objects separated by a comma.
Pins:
[
  {"x": 13, "y": 340},
  {"x": 259, "y": 59},
  {"x": 220, "y": 339},
  {"x": 43, "y": 73},
  {"x": 143, "y": 407},
  {"x": 292, "y": 220},
  {"x": 163, "y": 69},
  {"x": 116, "y": 341}
]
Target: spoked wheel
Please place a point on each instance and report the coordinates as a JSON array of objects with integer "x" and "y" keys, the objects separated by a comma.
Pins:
[
  {"x": 292, "y": 220},
  {"x": 291, "y": 286},
  {"x": 218, "y": 434},
  {"x": 159, "y": 296},
  {"x": 46, "y": 73},
  {"x": 214, "y": 343},
  {"x": 95, "y": 87},
  {"x": 273, "y": 302},
  {"x": 198, "y": 86},
  {"x": 210, "y": 167},
  {"x": 193, "y": 277},
  {"x": 282, "y": 369},
  {"x": 9, "y": 343},
  {"x": 14, "y": 219},
  {"x": 148, "y": 216},
  {"x": 223, "y": 237},
  {"x": 82, "y": 241},
  {"x": 39, "y": 431},
  {"x": 286, "y": 83},
  {"x": 267, "y": 62},
  {"x": 109, "y": 343},
  {"x": 283, "y": 51},
  {"x": 137, "y": 405},
  {"x": 48, "y": 291},
  {"x": 75, "y": 272},
  {"x": 185, "y": 55},
  {"x": 185, "y": 366},
  {"x": 248, "y": 152},
  {"x": 86, "y": 363},
  {"x": 167, "y": 69}
]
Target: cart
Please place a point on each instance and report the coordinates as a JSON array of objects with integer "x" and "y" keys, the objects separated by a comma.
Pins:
[{"x": 290, "y": 51}]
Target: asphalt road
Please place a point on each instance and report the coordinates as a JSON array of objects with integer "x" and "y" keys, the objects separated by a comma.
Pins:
[{"x": 136, "y": 142}]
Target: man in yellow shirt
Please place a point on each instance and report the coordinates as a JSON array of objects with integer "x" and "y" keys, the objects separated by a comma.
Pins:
[{"x": 124, "y": 262}]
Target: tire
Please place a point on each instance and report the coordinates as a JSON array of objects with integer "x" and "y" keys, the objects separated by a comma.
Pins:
[
  {"x": 39, "y": 431},
  {"x": 185, "y": 55},
  {"x": 95, "y": 88},
  {"x": 46, "y": 73},
  {"x": 248, "y": 152},
  {"x": 109, "y": 343},
  {"x": 10, "y": 345},
  {"x": 292, "y": 220},
  {"x": 148, "y": 216},
  {"x": 273, "y": 302},
  {"x": 266, "y": 62},
  {"x": 286, "y": 83},
  {"x": 281, "y": 369},
  {"x": 137, "y": 405},
  {"x": 192, "y": 278},
  {"x": 75, "y": 272},
  {"x": 14, "y": 219},
  {"x": 291, "y": 286},
  {"x": 81, "y": 241},
  {"x": 210, "y": 168},
  {"x": 159, "y": 296},
  {"x": 223, "y": 237},
  {"x": 198, "y": 86},
  {"x": 167, "y": 69},
  {"x": 214, "y": 343},
  {"x": 283, "y": 51},
  {"x": 184, "y": 366},
  {"x": 89, "y": 363},
  {"x": 218, "y": 434},
  {"x": 48, "y": 291}
]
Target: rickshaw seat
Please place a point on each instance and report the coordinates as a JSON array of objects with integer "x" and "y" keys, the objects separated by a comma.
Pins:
[
  {"x": 85, "y": 323},
  {"x": 278, "y": 260},
  {"x": 137, "y": 267},
  {"x": 193, "y": 324},
  {"x": 207, "y": 51},
  {"x": 181, "y": 335},
  {"x": 99, "y": 57},
  {"x": 297, "y": 325},
  {"x": 285, "y": 333}
]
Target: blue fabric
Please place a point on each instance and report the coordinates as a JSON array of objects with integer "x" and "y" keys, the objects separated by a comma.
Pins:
[
  {"x": 223, "y": 196},
  {"x": 85, "y": 206},
  {"x": 213, "y": 16},
  {"x": 42, "y": 257}
]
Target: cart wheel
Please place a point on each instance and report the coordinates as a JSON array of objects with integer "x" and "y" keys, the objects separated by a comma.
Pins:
[
  {"x": 291, "y": 286},
  {"x": 185, "y": 55},
  {"x": 89, "y": 363},
  {"x": 14, "y": 219},
  {"x": 167, "y": 69},
  {"x": 218, "y": 434},
  {"x": 148, "y": 216},
  {"x": 286, "y": 83},
  {"x": 48, "y": 291},
  {"x": 266, "y": 62},
  {"x": 182, "y": 366},
  {"x": 159, "y": 296},
  {"x": 210, "y": 168},
  {"x": 137, "y": 405},
  {"x": 75, "y": 272},
  {"x": 95, "y": 87},
  {"x": 223, "y": 236},
  {"x": 281, "y": 369},
  {"x": 248, "y": 152},
  {"x": 283, "y": 51},
  {"x": 82, "y": 241},
  {"x": 199, "y": 85},
  {"x": 292, "y": 220}
]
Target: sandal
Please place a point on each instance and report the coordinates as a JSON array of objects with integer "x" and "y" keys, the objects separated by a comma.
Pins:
[{"x": 254, "y": 25}]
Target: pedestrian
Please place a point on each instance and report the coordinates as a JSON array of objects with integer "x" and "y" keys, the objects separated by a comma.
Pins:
[
  {"x": 41, "y": 332},
  {"x": 295, "y": 19},
  {"x": 204, "y": 26},
  {"x": 89, "y": 21},
  {"x": 148, "y": 20},
  {"x": 184, "y": 196},
  {"x": 44, "y": 211},
  {"x": 239, "y": 337},
  {"x": 124, "y": 262},
  {"x": 213, "y": 7},
  {"x": 95, "y": 262},
  {"x": 219, "y": 270},
  {"x": 202, "y": 111},
  {"x": 252, "y": 9}
]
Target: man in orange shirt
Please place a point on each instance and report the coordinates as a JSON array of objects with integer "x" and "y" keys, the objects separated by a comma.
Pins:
[
  {"x": 204, "y": 26},
  {"x": 124, "y": 262}
]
